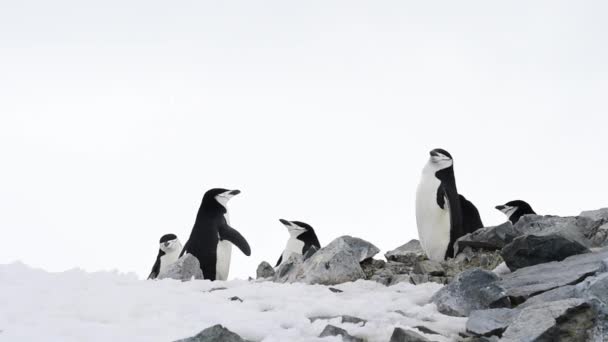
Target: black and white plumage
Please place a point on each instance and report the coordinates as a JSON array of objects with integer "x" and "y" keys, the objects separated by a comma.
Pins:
[
  {"x": 169, "y": 250},
  {"x": 442, "y": 215},
  {"x": 212, "y": 237},
  {"x": 515, "y": 210},
  {"x": 301, "y": 238}
]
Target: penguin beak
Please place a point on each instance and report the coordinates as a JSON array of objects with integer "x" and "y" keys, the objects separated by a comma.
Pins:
[
  {"x": 234, "y": 192},
  {"x": 501, "y": 207},
  {"x": 285, "y": 222},
  {"x": 434, "y": 154}
]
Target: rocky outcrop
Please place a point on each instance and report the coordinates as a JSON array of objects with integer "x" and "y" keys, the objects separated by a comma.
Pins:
[
  {"x": 528, "y": 250},
  {"x": 185, "y": 268},
  {"x": 474, "y": 289},
  {"x": 216, "y": 333}
]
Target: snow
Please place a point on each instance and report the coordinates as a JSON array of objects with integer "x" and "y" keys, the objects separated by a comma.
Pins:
[{"x": 36, "y": 305}]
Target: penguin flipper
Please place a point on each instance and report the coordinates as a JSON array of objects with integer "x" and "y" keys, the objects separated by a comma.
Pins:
[
  {"x": 279, "y": 261},
  {"x": 156, "y": 267},
  {"x": 232, "y": 235}
]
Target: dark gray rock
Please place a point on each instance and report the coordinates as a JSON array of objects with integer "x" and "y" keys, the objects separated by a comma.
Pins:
[
  {"x": 331, "y": 330},
  {"x": 185, "y": 268},
  {"x": 335, "y": 290},
  {"x": 371, "y": 267},
  {"x": 216, "y": 333},
  {"x": 407, "y": 254},
  {"x": 264, "y": 270},
  {"x": 528, "y": 250},
  {"x": 343, "y": 319},
  {"x": 474, "y": 289},
  {"x": 530, "y": 281},
  {"x": 402, "y": 335},
  {"x": 488, "y": 238},
  {"x": 490, "y": 322},
  {"x": 564, "y": 320},
  {"x": 430, "y": 267},
  {"x": 595, "y": 291},
  {"x": 578, "y": 228},
  {"x": 560, "y": 293},
  {"x": 469, "y": 258},
  {"x": 235, "y": 299},
  {"x": 426, "y": 330}
]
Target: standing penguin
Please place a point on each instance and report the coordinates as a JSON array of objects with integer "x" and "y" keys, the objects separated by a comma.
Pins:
[
  {"x": 442, "y": 215},
  {"x": 168, "y": 252},
  {"x": 301, "y": 238},
  {"x": 515, "y": 210},
  {"x": 211, "y": 237}
]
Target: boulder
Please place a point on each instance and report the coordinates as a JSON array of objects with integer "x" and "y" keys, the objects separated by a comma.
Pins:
[
  {"x": 474, "y": 289},
  {"x": 575, "y": 228},
  {"x": 490, "y": 322},
  {"x": 530, "y": 281},
  {"x": 337, "y": 263},
  {"x": 528, "y": 250},
  {"x": 596, "y": 215},
  {"x": 488, "y": 238},
  {"x": 560, "y": 293},
  {"x": 570, "y": 319},
  {"x": 264, "y": 270},
  {"x": 402, "y": 335},
  {"x": 407, "y": 254},
  {"x": 287, "y": 271},
  {"x": 216, "y": 333},
  {"x": 331, "y": 330},
  {"x": 595, "y": 291},
  {"x": 185, "y": 268}
]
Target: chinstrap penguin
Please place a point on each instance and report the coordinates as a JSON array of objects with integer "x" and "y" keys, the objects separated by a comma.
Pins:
[
  {"x": 212, "y": 237},
  {"x": 515, "y": 210},
  {"x": 169, "y": 250},
  {"x": 442, "y": 215},
  {"x": 301, "y": 238}
]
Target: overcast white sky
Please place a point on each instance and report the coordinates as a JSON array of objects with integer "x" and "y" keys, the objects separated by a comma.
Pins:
[{"x": 117, "y": 116}]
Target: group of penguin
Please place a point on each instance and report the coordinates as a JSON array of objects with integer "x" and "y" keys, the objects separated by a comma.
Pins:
[{"x": 442, "y": 215}]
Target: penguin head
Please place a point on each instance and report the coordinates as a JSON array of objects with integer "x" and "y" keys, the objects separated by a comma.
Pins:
[
  {"x": 440, "y": 159},
  {"x": 295, "y": 228},
  {"x": 169, "y": 242},
  {"x": 221, "y": 196},
  {"x": 511, "y": 207}
]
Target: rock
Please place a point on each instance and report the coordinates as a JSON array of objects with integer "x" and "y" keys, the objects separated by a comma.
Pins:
[
  {"x": 560, "y": 293},
  {"x": 216, "y": 333},
  {"x": 343, "y": 319},
  {"x": 400, "y": 278},
  {"x": 426, "y": 330},
  {"x": 469, "y": 258},
  {"x": 217, "y": 289},
  {"x": 578, "y": 228},
  {"x": 335, "y": 290},
  {"x": 235, "y": 299},
  {"x": 569, "y": 319},
  {"x": 429, "y": 267},
  {"x": 185, "y": 268},
  {"x": 528, "y": 250},
  {"x": 407, "y": 254},
  {"x": 372, "y": 266},
  {"x": 529, "y": 281},
  {"x": 287, "y": 271},
  {"x": 336, "y": 263},
  {"x": 603, "y": 266},
  {"x": 595, "y": 291},
  {"x": 418, "y": 279},
  {"x": 488, "y": 238},
  {"x": 490, "y": 322},
  {"x": 331, "y": 330},
  {"x": 402, "y": 335},
  {"x": 596, "y": 215},
  {"x": 474, "y": 289},
  {"x": 264, "y": 270},
  {"x": 383, "y": 277}
]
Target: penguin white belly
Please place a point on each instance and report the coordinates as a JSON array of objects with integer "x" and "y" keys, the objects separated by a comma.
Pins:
[
  {"x": 222, "y": 263},
  {"x": 432, "y": 221},
  {"x": 167, "y": 260},
  {"x": 293, "y": 246}
]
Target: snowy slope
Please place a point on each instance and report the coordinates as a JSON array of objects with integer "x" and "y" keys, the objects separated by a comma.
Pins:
[{"x": 106, "y": 306}]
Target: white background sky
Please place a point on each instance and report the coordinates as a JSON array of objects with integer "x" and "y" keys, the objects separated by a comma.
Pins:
[{"x": 117, "y": 116}]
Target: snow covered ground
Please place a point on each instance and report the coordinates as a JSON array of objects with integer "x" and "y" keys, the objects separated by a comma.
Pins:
[{"x": 107, "y": 306}]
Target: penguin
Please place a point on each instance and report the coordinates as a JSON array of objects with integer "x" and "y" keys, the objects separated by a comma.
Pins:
[
  {"x": 442, "y": 215},
  {"x": 212, "y": 237},
  {"x": 168, "y": 252},
  {"x": 301, "y": 238},
  {"x": 515, "y": 210}
]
